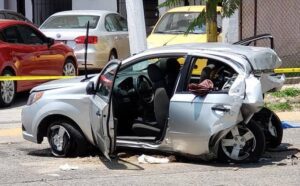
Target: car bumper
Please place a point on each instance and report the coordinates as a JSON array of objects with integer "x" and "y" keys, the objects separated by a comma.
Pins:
[
  {"x": 29, "y": 130},
  {"x": 96, "y": 59}
]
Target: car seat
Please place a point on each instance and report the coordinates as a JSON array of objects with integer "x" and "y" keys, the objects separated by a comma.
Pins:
[
  {"x": 161, "y": 106},
  {"x": 172, "y": 71}
]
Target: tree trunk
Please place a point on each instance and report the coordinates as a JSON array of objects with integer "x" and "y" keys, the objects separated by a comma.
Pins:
[{"x": 211, "y": 20}]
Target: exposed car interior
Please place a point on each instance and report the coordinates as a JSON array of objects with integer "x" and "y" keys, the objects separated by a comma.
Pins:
[
  {"x": 221, "y": 74},
  {"x": 142, "y": 93}
]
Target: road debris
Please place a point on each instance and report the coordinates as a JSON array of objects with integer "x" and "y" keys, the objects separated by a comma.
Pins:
[
  {"x": 144, "y": 159},
  {"x": 67, "y": 167}
]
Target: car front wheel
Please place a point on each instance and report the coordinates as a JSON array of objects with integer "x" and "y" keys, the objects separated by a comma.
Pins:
[
  {"x": 8, "y": 90},
  {"x": 65, "y": 140},
  {"x": 243, "y": 143}
]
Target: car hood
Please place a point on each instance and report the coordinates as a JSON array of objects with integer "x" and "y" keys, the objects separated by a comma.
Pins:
[
  {"x": 62, "y": 83},
  {"x": 157, "y": 40}
]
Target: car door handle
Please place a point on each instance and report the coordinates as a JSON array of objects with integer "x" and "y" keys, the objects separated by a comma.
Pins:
[{"x": 220, "y": 108}]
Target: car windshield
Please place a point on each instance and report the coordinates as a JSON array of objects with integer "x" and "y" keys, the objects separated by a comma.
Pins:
[
  {"x": 71, "y": 22},
  {"x": 178, "y": 22}
]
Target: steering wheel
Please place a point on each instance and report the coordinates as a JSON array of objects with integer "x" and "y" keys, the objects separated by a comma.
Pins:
[{"x": 144, "y": 89}]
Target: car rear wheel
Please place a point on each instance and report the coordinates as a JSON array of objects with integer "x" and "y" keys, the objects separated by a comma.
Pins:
[
  {"x": 7, "y": 90},
  {"x": 65, "y": 140},
  {"x": 243, "y": 143},
  {"x": 69, "y": 68}
]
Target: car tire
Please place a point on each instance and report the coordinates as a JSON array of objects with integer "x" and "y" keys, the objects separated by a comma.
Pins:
[
  {"x": 275, "y": 141},
  {"x": 65, "y": 140},
  {"x": 242, "y": 144},
  {"x": 7, "y": 90},
  {"x": 263, "y": 118},
  {"x": 69, "y": 68},
  {"x": 113, "y": 55}
]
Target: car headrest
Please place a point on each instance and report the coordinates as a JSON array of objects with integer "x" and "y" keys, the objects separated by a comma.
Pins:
[
  {"x": 154, "y": 73},
  {"x": 206, "y": 72},
  {"x": 172, "y": 66}
]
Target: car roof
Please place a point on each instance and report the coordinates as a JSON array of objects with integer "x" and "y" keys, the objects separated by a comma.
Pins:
[
  {"x": 191, "y": 9},
  {"x": 83, "y": 12},
  {"x": 7, "y": 22},
  {"x": 259, "y": 57}
]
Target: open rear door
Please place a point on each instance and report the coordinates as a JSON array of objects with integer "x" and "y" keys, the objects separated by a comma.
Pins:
[{"x": 101, "y": 115}]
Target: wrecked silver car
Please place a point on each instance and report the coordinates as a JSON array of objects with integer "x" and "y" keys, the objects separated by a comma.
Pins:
[{"x": 147, "y": 102}]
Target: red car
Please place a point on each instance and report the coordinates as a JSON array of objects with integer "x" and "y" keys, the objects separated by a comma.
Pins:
[{"x": 25, "y": 51}]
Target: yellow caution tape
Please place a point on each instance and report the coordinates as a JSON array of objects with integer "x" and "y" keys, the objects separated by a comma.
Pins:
[
  {"x": 26, "y": 78},
  {"x": 286, "y": 70}
]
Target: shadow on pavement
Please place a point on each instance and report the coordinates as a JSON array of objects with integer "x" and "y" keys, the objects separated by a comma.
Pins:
[
  {"x": 119, "y": 164},
  {"x": 20, "y": 100}
]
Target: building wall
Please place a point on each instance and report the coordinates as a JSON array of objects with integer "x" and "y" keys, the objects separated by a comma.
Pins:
[
  {"x": 1, "y": 4},
  {"x": 11, "y": 4},
  {"x": 28, "y": 9},
  {"x": 95, "y": 5}
]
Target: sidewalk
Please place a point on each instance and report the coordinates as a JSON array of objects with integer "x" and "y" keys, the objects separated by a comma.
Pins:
[{"x": 289, "y": 116}]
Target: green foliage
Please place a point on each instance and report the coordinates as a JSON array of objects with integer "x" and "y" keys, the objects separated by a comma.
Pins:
[
  {"x": 279, "y": 106},
  {"x": 229, "y": 7},
  {"x": 170, "y": 3},
  {"x": 288, "y": 92}
]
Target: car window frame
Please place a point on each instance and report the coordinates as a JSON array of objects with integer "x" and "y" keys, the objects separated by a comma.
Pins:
[{"x": 99, "y": 85}]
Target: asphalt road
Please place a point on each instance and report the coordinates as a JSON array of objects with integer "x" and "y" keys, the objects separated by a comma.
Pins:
[{"x": 25, "y": 163}]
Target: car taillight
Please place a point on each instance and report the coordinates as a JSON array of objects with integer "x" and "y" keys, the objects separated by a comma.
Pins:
[{"x": 91, "y": 40}]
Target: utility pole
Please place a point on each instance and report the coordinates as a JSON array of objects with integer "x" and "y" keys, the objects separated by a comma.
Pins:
[{"x": 136, "y": 26}]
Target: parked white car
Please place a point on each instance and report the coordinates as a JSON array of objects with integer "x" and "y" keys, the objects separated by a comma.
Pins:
[{"x": 108, "y": 35}]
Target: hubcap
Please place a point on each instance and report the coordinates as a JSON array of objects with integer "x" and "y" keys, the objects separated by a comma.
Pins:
[
  {"x": 69, "y": 69},
  {"x": 7, "y": 91},
  {"x": 238, "y": 143},
  {"x": 60, "y": 135}
]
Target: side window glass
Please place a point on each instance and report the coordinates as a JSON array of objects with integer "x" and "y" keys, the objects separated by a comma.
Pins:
[
  {"x": 106, "y": 80},
  {"x": 11, "y": 35},
  {"x": 109, "y": 25},
  {"x": 122, "y": 22},
  {"x": 113, "y": 23},
  {"x": 219, "y": 73},
  {"x": 30, "y": 36}
]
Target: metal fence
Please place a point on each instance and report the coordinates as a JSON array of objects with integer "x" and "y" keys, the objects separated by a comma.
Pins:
[{"x": 278, "y": 18}]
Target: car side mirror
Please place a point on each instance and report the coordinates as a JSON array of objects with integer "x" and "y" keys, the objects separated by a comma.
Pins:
[
  {"x": 90, "y": 88},
  {"x": 50, "y": 41}
]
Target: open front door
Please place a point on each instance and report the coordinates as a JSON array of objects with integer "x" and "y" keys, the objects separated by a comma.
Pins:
[{"x": 101, "y": 115}]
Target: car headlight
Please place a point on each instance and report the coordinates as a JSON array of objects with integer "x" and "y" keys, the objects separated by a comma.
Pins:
[{"x": 34, "y": 97}]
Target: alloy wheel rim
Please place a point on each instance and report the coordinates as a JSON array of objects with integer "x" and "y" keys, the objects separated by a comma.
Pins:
[
  {"x": 69, "y": 69},
  {"x": 7, "y": 91},
  {"x": 238, "y": 143},
  {"x": 60, "y": 137}
]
